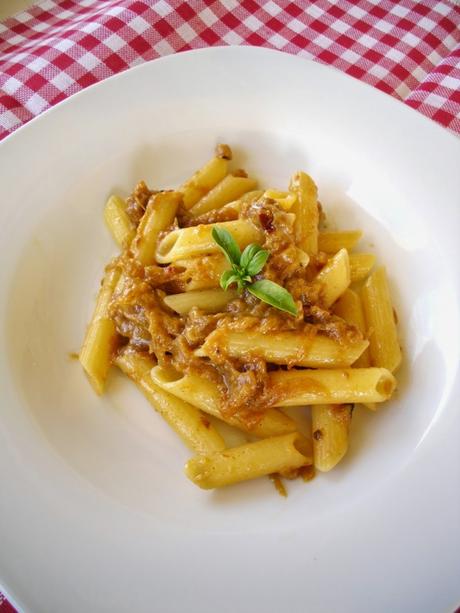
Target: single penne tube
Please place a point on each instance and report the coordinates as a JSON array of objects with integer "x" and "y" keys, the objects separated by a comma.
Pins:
[
  {"x": 229, "y": 189},
  {"x": 334, "y": 278},
  {"x": 208, "y": 300},
  {"x": 331, "y": 242},
  {"x": 197, "y": 240},
  {"x": 203, "y": 180},
  {"x": 360, "y": 265},
  {"x": 118, "y": 222},
  {"x": 330, "y": 427},
  {"x": 100, "y": 339},
  {"x": 187, "y": 421},
  {"x": 291, "y": 348},
  {"x": 204, "y": 394},
  {"x": 349, "y": 308},
  {"x": 384, "y": 346},
  {"x": 271, "y": 455},
  {"x": 159, "y": 215},
  {"x": 306, "y": 212},
  {"x": 298, "y": 387}
]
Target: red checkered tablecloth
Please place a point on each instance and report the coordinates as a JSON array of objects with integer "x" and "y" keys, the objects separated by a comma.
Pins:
[{"x": 411, "y": 50}]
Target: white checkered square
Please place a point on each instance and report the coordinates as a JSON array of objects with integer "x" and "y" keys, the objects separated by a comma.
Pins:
[
  {"x": 114, "y": 42},
  {"x": 163, "y": 8},
  {"x": 38, "y": 64},
  {"x": 399, "y": 11},
  {"x": 163, "y": 48},
  {"x": 314, "y": 11},
  {"x": 8, "y": 121},
  {"x": 296, "y": 26},
  {"x": 277, "y": 41},
  {"x": 252, "y": 23},
  {"x": 367, "y": 41},
  {"x": 208, "y": 17},
  {"x": 435, "y": 100},
  {"x": 272, "y": 8},
  {"x": 350, "y": 56},
  {"x": 378, "y": 71},
  {"x": 63, "y": 44},
  {"x": 426, "y": 24},
  {"x": 394, "y": 54},
  {"x": 410, "y": 39},
  {"x": 383, "y": 26},
  {"x": 62, "y": 81},
  {"x": 340, "y": 26},
  {"x": 36, "y": 104},
  {"x": 186, "y": 32},
  {"x": 232, "y": 38},
  {"x": 139, "y": 25},
  {"x": 89, "y": 61},
  {"x": 230, "y": 5},
  {"x": 356, "y": 12},
  {"x": 12, "y": 85}
]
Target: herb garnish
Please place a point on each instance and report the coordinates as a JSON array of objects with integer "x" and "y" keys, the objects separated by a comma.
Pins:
[{"x": 247, "y": 264}]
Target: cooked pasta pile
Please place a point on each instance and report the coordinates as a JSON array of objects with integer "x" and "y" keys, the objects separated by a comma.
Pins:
[{"x": 227, "y": 303}]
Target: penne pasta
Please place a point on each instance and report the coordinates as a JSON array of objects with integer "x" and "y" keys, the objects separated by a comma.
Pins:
[
  {"x": 231, "y": 188},
  {"x": 360, "y": 265},
  {"x": 306, "y": 212},
  {"x": 330, "y": 426},
  {"x": 292, "y": 341},
  {"x": 197, "y": 240},
  {"x": 334, "y": 277},
  {"x": 291, "y": 348},
  {"x": 384, "y": 346},
  {"x": 204, "y": 394},
  {"x": 210, "y": 300},
  {"x": 203, "y": 181},
  {"x": 96, "y": 352},
  {"x": 159, "y": 215},
  {"x": 188, "y": 422},
  {"x": 349, "y": 308},
  {"x": 331, "y": 386},
  {"x": 332, "y": 242},
  {"x": 271, "y": 455},
  {"x": 118, "y": 222}
]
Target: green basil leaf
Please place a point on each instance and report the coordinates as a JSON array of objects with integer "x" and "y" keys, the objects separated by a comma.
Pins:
[
  {"x": 248, "y": 254},
  {"x": 227, "y": 278},
  {"x": 258, "y": 262},
  {"x": 227, "y": 243},
  {"x": 273, "y": 294}
]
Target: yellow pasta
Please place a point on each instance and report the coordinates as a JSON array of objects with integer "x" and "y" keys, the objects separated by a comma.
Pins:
[
  {"x": 384, "y": 346},
  {"x": 188, "y": 422},
  {"x": 204, "y": 394},
  {"x": 334, "y": 277},
  {"x": 330, "y": 426},
  {"x": 331, "y": 386},
  {"x": 203, "y": 181},
  {"x": 287, "y": 340},
  {"x": 360, "y": 265},
  {"x": 211, "y": 300},
  {"x": 197, "y": 240},
  {"x": 306, "y": 212},
  {"x": 331, "y": 242},
  {"x": 291, "y": 348},
  {"x": 159, "y": 215},
  {"x": 229, "y": 189},
  {"x": 271, "y": 455},
  {"x": 96, "y": 352},
  {"x": 118, "y": 222}
]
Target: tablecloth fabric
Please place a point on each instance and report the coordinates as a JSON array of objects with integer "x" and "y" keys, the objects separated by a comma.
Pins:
[
  {"x": 408, "y": 49},
  {"x": 411, "y": 50}
]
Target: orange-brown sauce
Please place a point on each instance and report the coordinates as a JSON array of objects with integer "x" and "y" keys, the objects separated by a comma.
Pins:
[{"x": 145, "y": 323}]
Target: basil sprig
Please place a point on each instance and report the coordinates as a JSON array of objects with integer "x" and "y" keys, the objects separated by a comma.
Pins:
[{"x": 247, "y": 264}]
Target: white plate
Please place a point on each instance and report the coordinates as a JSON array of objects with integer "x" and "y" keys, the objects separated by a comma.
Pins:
[{"x": 95, "y": 512}]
